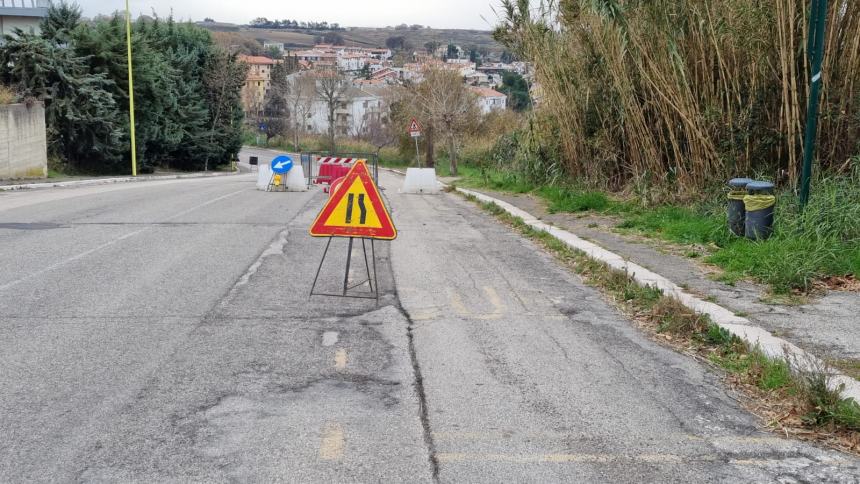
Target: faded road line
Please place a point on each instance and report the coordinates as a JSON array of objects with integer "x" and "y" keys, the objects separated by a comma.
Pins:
[
  {"x": 332, "y": 443},
  {"x": 463, "y": 311},
  {"x": 340, "y": 359}
]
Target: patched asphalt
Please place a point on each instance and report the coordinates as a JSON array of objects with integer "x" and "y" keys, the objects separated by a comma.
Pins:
[{"x": 162, "y": 332}]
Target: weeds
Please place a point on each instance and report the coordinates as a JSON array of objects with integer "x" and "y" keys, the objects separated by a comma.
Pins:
[
  {"x": 826, "y": 406},
  {"x": 7, "y": 95}
]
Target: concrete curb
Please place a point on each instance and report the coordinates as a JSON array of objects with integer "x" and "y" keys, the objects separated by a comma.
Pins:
[
  {"x": 743, "y": 328},
  {"x": 109, "y": 181}
]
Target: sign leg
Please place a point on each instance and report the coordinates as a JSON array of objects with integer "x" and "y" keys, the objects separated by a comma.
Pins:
[
  {"x": 375, "y": 280},
  {"x": 320, "y": 268},
  {"x": 366, "y": 264},
  {"x": 348, "y": 262}
]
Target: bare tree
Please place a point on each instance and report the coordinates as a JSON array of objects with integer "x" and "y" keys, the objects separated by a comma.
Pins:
[
  {"x": 380, "y": 132},
  {"x": 300, "y": 100},
  {"x": 332, "y": 88},
  {"x": 447, "y": 107}
]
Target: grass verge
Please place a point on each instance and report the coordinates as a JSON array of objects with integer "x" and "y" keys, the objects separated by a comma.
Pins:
[
  {"x": 798, "y": 404},
  {"x": 808, "y": 247}
]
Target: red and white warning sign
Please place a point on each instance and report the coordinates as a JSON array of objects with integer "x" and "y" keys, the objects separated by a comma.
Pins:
[
  {"x": 355, "y": 209},
  {"x": 414, "y": 128}
]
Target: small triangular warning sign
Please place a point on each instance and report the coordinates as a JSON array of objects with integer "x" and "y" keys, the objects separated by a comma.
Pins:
[
  {"x": 355, "y": 209},
  {"x": 414, "y": 127}
]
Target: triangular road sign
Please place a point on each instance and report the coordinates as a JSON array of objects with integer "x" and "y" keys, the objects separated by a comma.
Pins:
[
  {"x": 414, "y": 127},
  {"x": 355, "y": 209}
]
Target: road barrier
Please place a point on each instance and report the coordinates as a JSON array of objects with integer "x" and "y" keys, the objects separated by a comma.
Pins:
[{"x": 324, "y": 167}]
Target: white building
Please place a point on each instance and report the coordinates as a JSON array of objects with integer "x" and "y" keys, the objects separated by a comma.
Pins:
[
  {"x": 361, "y": 105},
  {"x": 489, "y": 99},
  {"x": 22, "y": 14},
  {"x": 278, "y": 45},
  {"x": 352, "y": 62}
]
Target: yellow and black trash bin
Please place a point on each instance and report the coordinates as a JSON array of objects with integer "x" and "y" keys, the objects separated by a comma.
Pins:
[
  {"x": 760, "y": 204},
  {"x": 737, "y": 213}
]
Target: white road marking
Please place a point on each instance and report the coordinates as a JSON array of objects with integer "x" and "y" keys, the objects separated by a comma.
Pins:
[
  {"x": 330, "y": 338},
  {"x": 340, "y": 359},
  {"x": 332, "y": 443}
]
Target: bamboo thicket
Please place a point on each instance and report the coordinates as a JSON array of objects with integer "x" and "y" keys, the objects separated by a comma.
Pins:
[{"x": 683, "y": 92}]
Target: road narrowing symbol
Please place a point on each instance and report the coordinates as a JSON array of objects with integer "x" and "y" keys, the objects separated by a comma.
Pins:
[{"x": 355, "y": 209}]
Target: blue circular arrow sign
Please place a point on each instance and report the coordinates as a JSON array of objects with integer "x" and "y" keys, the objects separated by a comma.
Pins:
[{"x": 282, "y": 164}]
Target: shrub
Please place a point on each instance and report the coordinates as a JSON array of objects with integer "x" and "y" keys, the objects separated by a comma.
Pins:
[{"x": 7, "y": 95}]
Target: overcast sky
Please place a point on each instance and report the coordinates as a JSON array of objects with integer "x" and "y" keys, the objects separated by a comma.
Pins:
[{"x": 463, "y": 14}]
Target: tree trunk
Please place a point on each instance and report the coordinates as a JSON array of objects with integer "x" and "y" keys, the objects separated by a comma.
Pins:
[
  {"x": 430, "y": 157},
  {"x": 331, "y": 129},
  {"x": 452, "y": 154}
]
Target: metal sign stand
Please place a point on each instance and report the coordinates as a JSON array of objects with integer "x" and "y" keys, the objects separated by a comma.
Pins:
[
  {"x": 371, "y": 281},
  {"x": 270, "y": 188}
]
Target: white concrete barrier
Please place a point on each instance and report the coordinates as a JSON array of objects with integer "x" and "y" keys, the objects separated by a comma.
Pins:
[
  {"x": 296, "y": 181},
  {"x": 421, "y": 180},
  {"x": 264, "y": 176}
]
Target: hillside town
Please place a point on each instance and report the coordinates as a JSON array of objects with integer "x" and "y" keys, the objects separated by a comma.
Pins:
[{"x": 372, "y": 75}]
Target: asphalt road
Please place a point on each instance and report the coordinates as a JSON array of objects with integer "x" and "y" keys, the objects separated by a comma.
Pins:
[{"x": 162, "y": 332}]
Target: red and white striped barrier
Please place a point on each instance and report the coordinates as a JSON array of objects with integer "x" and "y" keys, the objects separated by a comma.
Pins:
[
  {"x": 335, "y": 161},
  {"x": 332, "y": 168}
]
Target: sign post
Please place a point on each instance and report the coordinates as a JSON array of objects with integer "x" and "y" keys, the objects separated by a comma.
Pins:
[
  {"x": 415, "y": 132},
  {"x": 130, "y": 91},
  {"x": 354, "y": 210},
  {"x": 815, "y": 47}
]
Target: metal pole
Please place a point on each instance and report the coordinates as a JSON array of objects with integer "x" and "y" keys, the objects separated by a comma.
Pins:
[
  {"x": 417, "y": 153},
  {"x": 375, "y": 280},
  {"x": 130, "y": 91},
  {"x": 815, "y": 47},
  {"x": 348, "y": 263},
  {"x": 366, "y": 264},
  {"x": 316, "y": 277}
]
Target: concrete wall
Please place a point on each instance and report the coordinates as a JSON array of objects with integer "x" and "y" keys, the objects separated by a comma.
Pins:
[{"x": 23, "y": 142}]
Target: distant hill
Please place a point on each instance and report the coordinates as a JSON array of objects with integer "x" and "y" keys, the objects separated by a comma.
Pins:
[{"x": 231, "y": 34}]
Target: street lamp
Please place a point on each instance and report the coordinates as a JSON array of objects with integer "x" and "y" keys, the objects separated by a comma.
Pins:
[
  {"x": 130, "y": 91},
  {"x": 815, "y": 49}
]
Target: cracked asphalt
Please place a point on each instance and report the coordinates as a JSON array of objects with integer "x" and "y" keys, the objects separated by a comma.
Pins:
[{"x": 162, "y": 332}]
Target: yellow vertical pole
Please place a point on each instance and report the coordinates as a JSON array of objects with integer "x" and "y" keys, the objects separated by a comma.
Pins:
[{"x": 130, "y": 91}]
